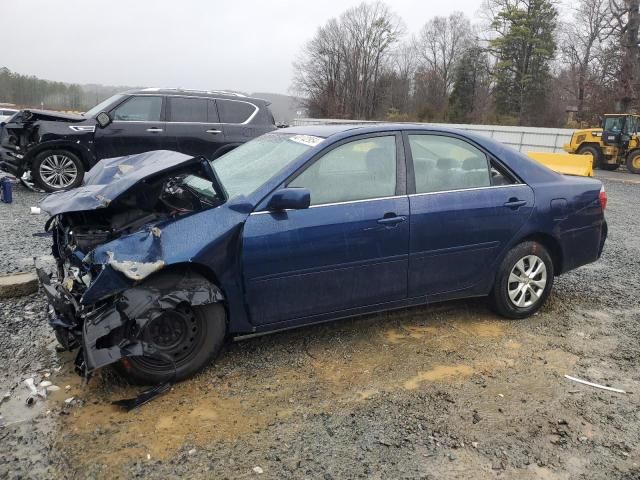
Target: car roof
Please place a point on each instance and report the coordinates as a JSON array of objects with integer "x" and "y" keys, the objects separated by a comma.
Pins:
[
  {"x": 185, "y": 92},
  {"x": 326, "y": 131}
]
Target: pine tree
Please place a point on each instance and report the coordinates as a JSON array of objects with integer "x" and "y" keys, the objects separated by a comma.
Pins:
[
  {"x": 471, "y": 79},
  {"x": 524, "y": 47}
]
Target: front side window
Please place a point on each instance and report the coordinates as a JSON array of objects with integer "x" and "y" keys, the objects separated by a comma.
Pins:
[
  {"x": 139, "y": 109},
  {"x": 357, "y": 170},
  {"x": 234, "y": 112},
  {"x": 445, "y": 163}
]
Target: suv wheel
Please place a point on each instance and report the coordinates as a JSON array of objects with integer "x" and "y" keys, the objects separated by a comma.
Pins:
[
  {"x": 55, "y": 170},
  {"x": 523, "y": 282}
]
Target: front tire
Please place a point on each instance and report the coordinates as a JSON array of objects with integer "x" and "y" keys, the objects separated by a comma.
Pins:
[
  {"x": 55, "y": 170},
  {"x": 633, "y": 162},
  {"x": 191, "y": 336},
  {"x": 523, "y": 282},
  {"x": 595, "y": 153}
]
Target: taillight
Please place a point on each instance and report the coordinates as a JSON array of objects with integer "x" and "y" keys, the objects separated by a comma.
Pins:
[{"x": 603, "y": 198}]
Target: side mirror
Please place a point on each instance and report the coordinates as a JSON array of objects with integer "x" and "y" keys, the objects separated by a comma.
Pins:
[
  {"x": 290, "y": 199},
  {"x": 103, "y": 119}
]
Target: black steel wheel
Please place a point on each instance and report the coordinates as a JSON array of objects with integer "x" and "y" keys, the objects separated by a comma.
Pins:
[{"x": 187, "y": 339}]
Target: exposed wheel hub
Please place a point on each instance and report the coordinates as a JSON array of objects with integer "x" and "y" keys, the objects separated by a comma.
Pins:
[{"x": 174, "y": 333}]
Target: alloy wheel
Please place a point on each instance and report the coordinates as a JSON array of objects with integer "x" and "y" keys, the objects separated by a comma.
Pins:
[
  {"x": 58, "y": 171},
  {"x": 527, "y": 281}
]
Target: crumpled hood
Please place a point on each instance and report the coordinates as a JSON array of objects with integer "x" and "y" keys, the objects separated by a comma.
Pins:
[
  {"x": 112, "y": 177},
  {"x": 31, "y": 115}
]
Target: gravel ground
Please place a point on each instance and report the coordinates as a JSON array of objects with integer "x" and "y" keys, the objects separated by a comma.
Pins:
[{"x": 447, "y": 391}]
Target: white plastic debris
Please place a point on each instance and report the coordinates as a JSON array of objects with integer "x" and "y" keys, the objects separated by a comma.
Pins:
[
  {"x": 596, "y": 385},
  {"x": 35, "y": 210},
  {"x": 53, "y": 388},
  {"x": 69, "y": 400},
  {"x": 258, "y": 470}
]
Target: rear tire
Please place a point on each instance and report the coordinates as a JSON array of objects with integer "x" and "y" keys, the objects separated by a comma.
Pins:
[
  {"x": 193, "y": 337},
  {"x": 595, "y": 153},
  {"x": 55, "y": 170},
  {"x": 633, "y": 162},
  {"x": 523, "y": 282}
]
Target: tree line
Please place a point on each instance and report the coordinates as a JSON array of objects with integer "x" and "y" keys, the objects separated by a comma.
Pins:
[
  {"x": 521, "y": 64},
  {"x": 30, "y": 91}
]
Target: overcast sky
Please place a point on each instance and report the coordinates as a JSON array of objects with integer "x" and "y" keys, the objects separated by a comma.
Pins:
[{"x": 245, "y": 45}]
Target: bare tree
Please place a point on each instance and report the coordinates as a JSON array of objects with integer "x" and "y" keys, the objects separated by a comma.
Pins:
[
  {"x": 626, "y": 24},
  {"x": 582, "y": 39},
  {"x": 441, "y": 44},
  {"x": 340, "y": 69}
]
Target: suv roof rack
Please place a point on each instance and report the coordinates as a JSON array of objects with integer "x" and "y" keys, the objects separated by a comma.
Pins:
[{"x": 189, "y": 90}]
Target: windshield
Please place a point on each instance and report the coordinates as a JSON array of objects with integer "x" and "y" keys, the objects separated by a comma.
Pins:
[
  {"x": 244, "y": 169},
  {"x": 102, "y": 106},
  {"x": 613, "y": 124}
]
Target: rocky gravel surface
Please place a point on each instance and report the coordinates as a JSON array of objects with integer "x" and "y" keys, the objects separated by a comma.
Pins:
[{"x": 447, "y": 391}]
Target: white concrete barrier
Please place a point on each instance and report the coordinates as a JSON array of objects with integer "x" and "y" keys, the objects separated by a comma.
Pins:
[{"x": 525, "y": 139}]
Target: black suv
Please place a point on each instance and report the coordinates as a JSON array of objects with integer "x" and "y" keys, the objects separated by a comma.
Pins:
[{"x": 57, "y": 148}]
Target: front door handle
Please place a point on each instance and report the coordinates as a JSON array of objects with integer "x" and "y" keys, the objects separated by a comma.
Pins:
[
  {"x": 392, "y": 221},
  {"x": 213, "y": 131},
  {"x": 515, "y": 203},
  {"x": 154, "y": 130}
]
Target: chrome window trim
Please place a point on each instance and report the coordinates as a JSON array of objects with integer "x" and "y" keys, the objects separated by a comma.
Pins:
[
  {"x": 261, "y": 212},
  {"x": 336, "y": 203},
  {"x": 469, "y": 189}
]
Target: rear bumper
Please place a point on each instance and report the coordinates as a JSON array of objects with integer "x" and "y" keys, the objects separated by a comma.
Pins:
[{"x": 603, "y": 237}]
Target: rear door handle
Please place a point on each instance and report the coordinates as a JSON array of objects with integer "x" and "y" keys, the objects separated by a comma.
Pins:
[
  {"x": 515, "y": 203},
  {"x": 391, "y": 221},
  {"x": 213, "y": 131},
  {"x": 154, "y": 130}
]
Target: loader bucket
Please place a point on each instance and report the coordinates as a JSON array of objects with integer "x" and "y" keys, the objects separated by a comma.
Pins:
[{"x": 566, "y": 163}]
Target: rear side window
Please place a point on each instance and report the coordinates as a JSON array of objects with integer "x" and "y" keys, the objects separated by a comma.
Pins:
[
  {"x": 445, "y": 163},
  {"x": 234, "y": 112},
  {"x": 139, "y": 109},
  {"x": 182, "y": 109},
  {"x": 357, "y": 170}
]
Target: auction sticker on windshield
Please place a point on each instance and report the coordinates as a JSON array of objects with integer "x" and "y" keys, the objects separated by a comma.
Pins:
[{"x": 308, "y": 140}]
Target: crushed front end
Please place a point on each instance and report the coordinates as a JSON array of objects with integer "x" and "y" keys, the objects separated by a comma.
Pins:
[{"x": 107, "y": 243}]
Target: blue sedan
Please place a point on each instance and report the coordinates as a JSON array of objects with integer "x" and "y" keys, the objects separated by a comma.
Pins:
[{"x": 162, "y": 257}]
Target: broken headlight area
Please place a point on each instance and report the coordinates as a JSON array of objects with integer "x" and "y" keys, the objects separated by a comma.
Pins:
[{"x": 142, "y": 321}]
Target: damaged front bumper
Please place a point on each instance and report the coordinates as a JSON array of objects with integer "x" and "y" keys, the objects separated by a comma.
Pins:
[{"x": 117, "y": 327}]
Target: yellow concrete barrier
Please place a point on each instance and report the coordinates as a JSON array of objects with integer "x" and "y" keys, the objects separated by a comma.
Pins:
[{"x": 566, "y": 163}]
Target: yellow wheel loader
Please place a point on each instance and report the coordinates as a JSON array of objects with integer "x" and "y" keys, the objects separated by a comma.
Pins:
[{"x": 614, "y": 144}]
